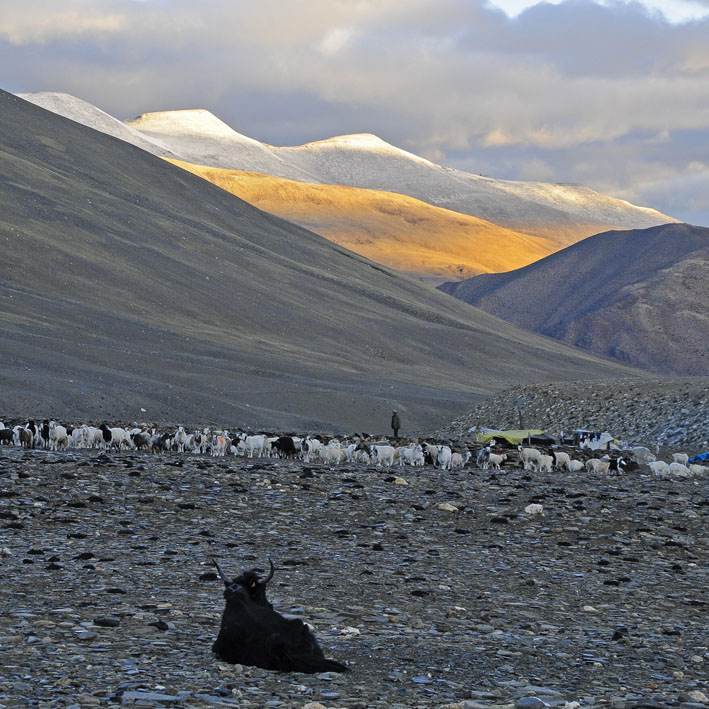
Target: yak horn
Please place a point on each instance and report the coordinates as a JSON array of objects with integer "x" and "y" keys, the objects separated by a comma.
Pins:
[
  {"x": 270, "y": 575},
  {"x": 222, "y": 575}
]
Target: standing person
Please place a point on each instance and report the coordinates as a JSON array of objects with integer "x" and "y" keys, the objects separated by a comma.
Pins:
[{"x": 395, "y": 423}]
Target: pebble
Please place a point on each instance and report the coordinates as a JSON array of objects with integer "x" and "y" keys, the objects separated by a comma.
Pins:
[{"x": 427, "y": 608}]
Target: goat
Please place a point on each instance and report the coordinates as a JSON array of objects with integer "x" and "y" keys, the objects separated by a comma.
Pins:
[
  {"x": 141, "y": 439},
  {"x": 529, "y": 457},
  {"x": 496, "y": 460},
  {"x": 58, "y": 437},
  {"x": 458, "y": 460},
  {"x": 679, "y": 469},
  {"x": 180, "y": 439},
  {"x": 562, "y": 460},
  {"x": 594, "y": 465},
  {"x": 659, "y": 467},
  {"x": 430, "y": 453},
  {"x": 253, "y": 634},
  {"x": 445, "y": 456},
  {"x": 682, "y": 458},
  {"x": 383, "y": 454},
  {"x": 483, "y": 457},
  {"x": 284, "y": 447},
  {"x": 546, "y": 463},
  {"x": 6, "y": 436},
  {"x": 44, "y": 434},
  {"x": 26, "y": 438}
]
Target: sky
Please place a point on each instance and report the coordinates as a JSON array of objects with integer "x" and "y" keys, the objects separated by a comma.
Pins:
[{"x": 612, "y": 94}]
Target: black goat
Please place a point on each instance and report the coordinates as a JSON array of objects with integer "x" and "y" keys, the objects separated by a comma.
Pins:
[
  {"x": 106, "y": 433},
  {"x": 285, "y": 447},
  {"x": 6, "y": 436},
  {"x": 44, "y": 433},
  {"x": 253, "y": 634}
]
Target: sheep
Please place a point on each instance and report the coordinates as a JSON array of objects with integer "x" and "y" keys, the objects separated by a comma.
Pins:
[
  {"x": 529, "y": 457},
  {"x": 682, "y": 458},
  {"x": 445, "y": 456},
  {"x": 546, "y": 463},
  {"x": 253, "y": 634},
  {"x": 562, "y": 460},
  {"x": 496, "y": 460}
]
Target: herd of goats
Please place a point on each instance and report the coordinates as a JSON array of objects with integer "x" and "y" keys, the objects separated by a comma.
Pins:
[
  {"x": 52, "y": 436},
  {"x": 251, "y": 631}
]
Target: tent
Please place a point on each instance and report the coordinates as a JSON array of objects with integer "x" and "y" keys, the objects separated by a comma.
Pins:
[
  {"x": 701, "y": 458},
  {"x": 515, "y": 436}
]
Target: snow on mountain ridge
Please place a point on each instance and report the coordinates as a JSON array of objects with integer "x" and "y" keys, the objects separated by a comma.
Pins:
[
  {"x": 560, "y": 211},
  {"x": 359, "y": 141},
  {"x": 187, "y": 122}
]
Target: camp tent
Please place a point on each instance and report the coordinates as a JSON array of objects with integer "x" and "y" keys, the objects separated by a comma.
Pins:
[
  {"x": 515, "y": 437},
  {"x": 701, "y": 458}
]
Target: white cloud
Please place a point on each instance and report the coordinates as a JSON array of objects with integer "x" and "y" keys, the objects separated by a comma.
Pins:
[{"x": 675, "y": 11}]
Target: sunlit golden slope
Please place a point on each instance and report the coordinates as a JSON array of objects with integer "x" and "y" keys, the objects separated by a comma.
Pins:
[{"x": 392, "y": 229}]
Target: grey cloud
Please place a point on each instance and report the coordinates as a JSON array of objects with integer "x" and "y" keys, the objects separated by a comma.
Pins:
[{"x": 574, "y": 92}]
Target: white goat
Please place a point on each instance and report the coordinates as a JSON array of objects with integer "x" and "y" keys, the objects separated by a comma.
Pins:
[
  {"x": 445, "y": 455},
  {"x": 546, "y": 463},
  {"x": 383, "y": 454},
  {"x": 496, "y": 460},
  {"x": 659, "y": 467},
  {"x": 597, "y": 466},
  {"x": 562, "y": 460},
  {"x": 458, "y": 460},
  {"x": 529, "y": 457},
  {"x": 57, "y": 437}
]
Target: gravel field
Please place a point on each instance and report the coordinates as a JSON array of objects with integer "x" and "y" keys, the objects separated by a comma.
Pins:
[{"x": 437, "y": 589}]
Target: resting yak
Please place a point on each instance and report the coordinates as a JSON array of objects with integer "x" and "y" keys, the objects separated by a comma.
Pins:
[{"x": 252, "y": 633}]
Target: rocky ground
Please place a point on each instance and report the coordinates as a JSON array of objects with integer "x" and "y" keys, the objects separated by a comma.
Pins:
[
  {"x": 674, "y": 412},
  {"x": 437, "y": 589}
]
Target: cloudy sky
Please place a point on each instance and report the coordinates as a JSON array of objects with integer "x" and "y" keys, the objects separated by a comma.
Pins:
[{"x": 609, "y": 93}]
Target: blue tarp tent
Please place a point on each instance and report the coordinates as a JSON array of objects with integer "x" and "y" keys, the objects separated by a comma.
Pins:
[{"x": 702, "y": 457}]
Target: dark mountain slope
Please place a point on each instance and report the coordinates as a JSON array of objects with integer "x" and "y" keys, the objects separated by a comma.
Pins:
[
  {"x": 640, "y": 296},
  {"x": 129, "y": 284}
]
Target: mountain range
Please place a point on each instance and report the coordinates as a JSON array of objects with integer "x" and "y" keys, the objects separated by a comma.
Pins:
[
  {"x": 639, "y": 296},
  {"x": 429, "y": 221},
  {"x": 135, "y": 290}
]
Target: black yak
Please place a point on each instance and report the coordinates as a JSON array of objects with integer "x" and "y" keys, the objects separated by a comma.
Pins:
[{"x": 252, "y": 633}]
